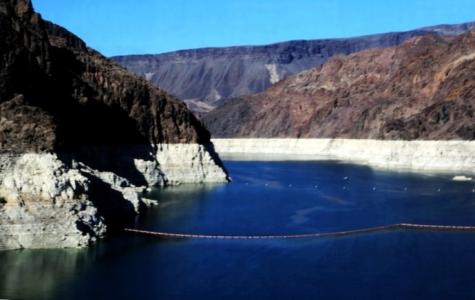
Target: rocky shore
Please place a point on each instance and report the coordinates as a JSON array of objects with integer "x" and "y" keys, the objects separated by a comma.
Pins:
[
  {"x": 433, "y": 156},
  {"x": 48, "y": 203}
]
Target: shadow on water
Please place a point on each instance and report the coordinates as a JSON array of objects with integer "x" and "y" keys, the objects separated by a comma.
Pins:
[{"x": 178, "y": 205}]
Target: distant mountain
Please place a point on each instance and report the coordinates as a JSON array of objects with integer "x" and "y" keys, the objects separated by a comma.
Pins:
[
  {"x": 421, "y": 89},
  {"x": 202, "y": 77}
]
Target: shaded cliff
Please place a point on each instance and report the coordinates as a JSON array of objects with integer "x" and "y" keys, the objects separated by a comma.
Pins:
[
  {"x": 83, "y": 97},
  {"x": 422, "y": 89},
  {"x": 81, "y": 137},
  {"x": 204, "y": 76}
]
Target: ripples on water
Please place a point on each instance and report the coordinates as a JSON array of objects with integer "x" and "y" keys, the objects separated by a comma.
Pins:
[{"x": 273, "y": 198}]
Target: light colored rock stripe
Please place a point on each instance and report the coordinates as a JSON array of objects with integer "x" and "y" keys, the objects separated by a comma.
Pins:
[
  {"x": 444, "y": 156},
  {"x": 188, "y": 163},
  {"x": 46, "y": 203}
]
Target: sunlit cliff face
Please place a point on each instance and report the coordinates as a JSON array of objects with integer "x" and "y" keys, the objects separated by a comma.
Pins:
[{"x": 422, "y": 89}]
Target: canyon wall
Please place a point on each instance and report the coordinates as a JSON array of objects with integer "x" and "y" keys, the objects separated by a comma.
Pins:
[
  {"x": 206, "y": 78},
  {"x": 81, "y": 138},
  {"x": 423, "y": 89}
]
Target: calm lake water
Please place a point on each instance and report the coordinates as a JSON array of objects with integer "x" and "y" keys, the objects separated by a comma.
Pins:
[{"x": 273, "y": 198}]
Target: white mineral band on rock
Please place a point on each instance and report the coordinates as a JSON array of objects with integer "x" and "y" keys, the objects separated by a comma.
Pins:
[
  {"x": 47, "y": 204},
  {"x": 443, "y": 156}
]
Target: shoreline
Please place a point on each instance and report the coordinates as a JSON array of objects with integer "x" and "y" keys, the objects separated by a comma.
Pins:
[
  {"x": 64, "y": 200},
  {"x": 453, "y": 157}
]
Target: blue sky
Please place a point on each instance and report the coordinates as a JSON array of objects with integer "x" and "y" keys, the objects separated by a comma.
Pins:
[{"x": 155, "y": 26}]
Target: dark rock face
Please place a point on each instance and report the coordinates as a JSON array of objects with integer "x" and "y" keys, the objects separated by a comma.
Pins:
[
  {"x": 25, "y": 127},
  {"x": 422, "y": 89},
  {"x": 204, "y": 76},
  {"x": 56, "y": 94}
]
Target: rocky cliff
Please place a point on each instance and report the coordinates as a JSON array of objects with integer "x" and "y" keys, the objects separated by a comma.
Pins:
[
  {"x": 203, "y": 77},
  {"x": 422, "y": 89},
  {"x": 80, "y": 137}
]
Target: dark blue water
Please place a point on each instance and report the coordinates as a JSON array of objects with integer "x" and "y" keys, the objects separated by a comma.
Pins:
[{"x": 273, "y": 198}]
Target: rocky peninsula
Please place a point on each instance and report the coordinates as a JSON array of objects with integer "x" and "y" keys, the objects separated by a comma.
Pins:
[{"x": 81, "y": 137}]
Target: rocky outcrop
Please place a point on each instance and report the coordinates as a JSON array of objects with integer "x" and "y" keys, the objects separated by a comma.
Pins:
[
  {"x": 420, "y": 90},
  {"x": 44, "y": 203},
  {"x": 189, "y": 163},
  {"x": 430, "y": 156},
  {"x": 80, "y": 137},
  {"x": 204, "y": 77}
]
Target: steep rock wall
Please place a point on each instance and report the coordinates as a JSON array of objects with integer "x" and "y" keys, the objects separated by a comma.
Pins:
[{"x": 79, "y": 136}]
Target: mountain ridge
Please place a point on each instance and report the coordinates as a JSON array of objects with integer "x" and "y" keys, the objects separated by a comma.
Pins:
[
  {"x": 213, "y": 74},
  {"x": 421, "y": 89}
]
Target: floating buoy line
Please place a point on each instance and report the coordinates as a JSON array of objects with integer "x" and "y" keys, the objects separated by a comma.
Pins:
[
  {"x": 346, "y": 187},
  {"x": 362, "y": 231}
]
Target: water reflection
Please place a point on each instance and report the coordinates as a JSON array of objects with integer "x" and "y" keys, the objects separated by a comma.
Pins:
[
  {"x": 35, "y": 274},
  {"x": 52, "y": 274}
]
